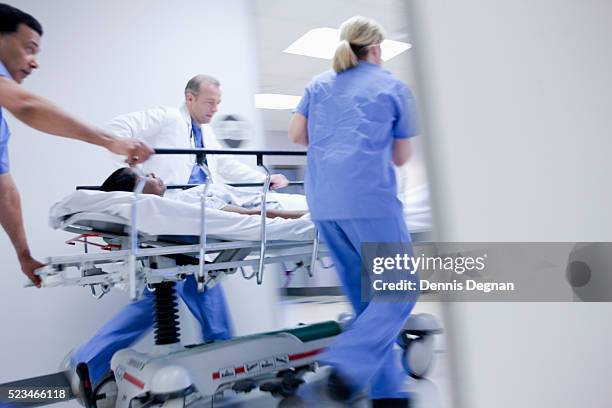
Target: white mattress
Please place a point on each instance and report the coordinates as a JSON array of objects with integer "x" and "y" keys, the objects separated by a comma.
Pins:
[{"x": 165, "y": 216}]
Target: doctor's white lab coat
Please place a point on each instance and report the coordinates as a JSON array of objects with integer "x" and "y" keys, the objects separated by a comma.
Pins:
[{"x": 165, "y": 127}]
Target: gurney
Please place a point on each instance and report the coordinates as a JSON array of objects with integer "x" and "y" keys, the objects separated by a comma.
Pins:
[
  {"x": 138, "y": 256},
  {"x": 169, "y": 256},
  {"x": 163, "y": 223}
]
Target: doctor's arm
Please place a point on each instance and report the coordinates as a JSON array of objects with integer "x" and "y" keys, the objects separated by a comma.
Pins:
[
  {"x": 12, "y": 222},
  {"x": 298, "y": 129},
  {"x": 235, "y": 171},
  {"x": 45, "y": 116},
  {"x": 141, "y": 124},
  {"x": 137, "y": 125}
]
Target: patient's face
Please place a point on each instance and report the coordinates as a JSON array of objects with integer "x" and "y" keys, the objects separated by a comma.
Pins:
[{"x": 154, "y": 185}]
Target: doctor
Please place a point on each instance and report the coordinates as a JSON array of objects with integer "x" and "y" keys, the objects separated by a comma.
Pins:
[
  {"x": 20, "y": 40},
  {"x": 187, "y": 128},
  {"x": 356, "y": 121},
  {"x": 173, "y": 128}
]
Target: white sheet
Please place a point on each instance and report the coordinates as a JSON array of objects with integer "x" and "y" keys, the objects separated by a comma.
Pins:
[
  {"x": 219, "y": 195},
  {"x": 164, "y": 216}
]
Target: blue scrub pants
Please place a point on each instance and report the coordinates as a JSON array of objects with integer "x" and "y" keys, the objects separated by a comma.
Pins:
[
  {"x": 136, "y": 319},
  {"x": 364, "y": 353}
]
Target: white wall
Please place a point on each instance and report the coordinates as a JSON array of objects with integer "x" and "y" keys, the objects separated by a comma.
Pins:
[
  {"x": 100, "y": 59},
  {"x": 516, "y": 95}
]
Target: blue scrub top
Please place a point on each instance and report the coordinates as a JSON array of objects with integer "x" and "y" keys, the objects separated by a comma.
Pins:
[
  {"x": 353, "y": 118},
  {"x": 5, "y": 134}
]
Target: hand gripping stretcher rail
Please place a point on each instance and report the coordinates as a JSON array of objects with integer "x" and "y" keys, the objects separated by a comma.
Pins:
[{"x": 173, "y": 375}]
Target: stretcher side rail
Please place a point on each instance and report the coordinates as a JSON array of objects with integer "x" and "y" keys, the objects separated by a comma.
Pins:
[
  {"x": 108, "y": 269},
  {"x": 226, "y": 261},
  {"x": 188, "y": 186},
  {"x": 123, "y": 255},
  {"x": 112, "y": 268},
  {"x": 203, "y": 247},
  {"x": 259, "y": 154}
]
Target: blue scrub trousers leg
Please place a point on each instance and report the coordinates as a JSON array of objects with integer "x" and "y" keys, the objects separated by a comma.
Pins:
[
  {"x": 123, "y": 330},
  {"x": 136, "y": 319},
  {"x": 209, "y": 308},
  {"x": 364, "y": 353}
]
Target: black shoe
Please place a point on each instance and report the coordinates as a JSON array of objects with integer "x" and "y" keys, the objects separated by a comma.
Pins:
[
  {"x": 337, "y": 389},
  {"x": 391, "y": 403}
]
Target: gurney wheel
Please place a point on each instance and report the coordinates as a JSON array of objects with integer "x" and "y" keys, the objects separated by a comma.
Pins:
[
  {"x": 418, "y": 355},
  {"x": 417, "y": 340},
  {"x": 245, "y": 386},
  {"x": 286, "y": 387},
  {"x": 276, "y": 389},
  {"x": 106, "y": 393}
]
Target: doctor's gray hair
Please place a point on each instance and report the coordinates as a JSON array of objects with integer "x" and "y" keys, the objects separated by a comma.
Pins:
[
  {"x": 357, "y": 34},
  {"x": 193, "y": 86}
]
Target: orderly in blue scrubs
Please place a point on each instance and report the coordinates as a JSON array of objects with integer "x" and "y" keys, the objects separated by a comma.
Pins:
[
  {"x": 135, "y": 320},
  {"x": 4, "y": 131},
  {"x": 356, "y": 121},
  {"x": 20, "y": 41}
]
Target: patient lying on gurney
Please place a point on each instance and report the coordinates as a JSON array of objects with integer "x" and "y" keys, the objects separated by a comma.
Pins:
[{"x": 219, "y": 196}]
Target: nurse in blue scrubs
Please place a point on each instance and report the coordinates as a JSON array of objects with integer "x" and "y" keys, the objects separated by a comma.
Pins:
[{"x": 357, "y": 120}]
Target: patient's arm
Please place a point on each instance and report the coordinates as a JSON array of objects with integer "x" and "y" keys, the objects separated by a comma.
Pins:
[{"x": 269, "y": 213}]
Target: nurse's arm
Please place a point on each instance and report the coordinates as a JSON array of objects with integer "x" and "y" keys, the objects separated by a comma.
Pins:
[
  {"x": 41, "y": 114},
  {"x": 12, "y": 222},
  {"x": 298, "y": 129},
  {"x": 401, "y": 151}
]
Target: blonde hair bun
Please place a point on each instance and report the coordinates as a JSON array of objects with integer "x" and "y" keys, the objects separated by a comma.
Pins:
[{"x": 356, "y": 31}]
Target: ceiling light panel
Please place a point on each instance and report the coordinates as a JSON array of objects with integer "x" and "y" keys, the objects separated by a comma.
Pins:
[
  {"x": 276, "y": 101},
  {"x": 322, "y": 43}
]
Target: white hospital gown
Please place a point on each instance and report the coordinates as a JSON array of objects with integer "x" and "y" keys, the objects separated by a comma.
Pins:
[{"x": 219, "y": 195}]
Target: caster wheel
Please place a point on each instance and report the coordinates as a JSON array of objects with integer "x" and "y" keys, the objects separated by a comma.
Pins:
[{"x": 418, "y": 356}]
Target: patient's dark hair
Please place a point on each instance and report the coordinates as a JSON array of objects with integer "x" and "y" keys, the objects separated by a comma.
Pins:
[
  {"x": 11, "y": 17},
  {"x": 123, "y": 179}
]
